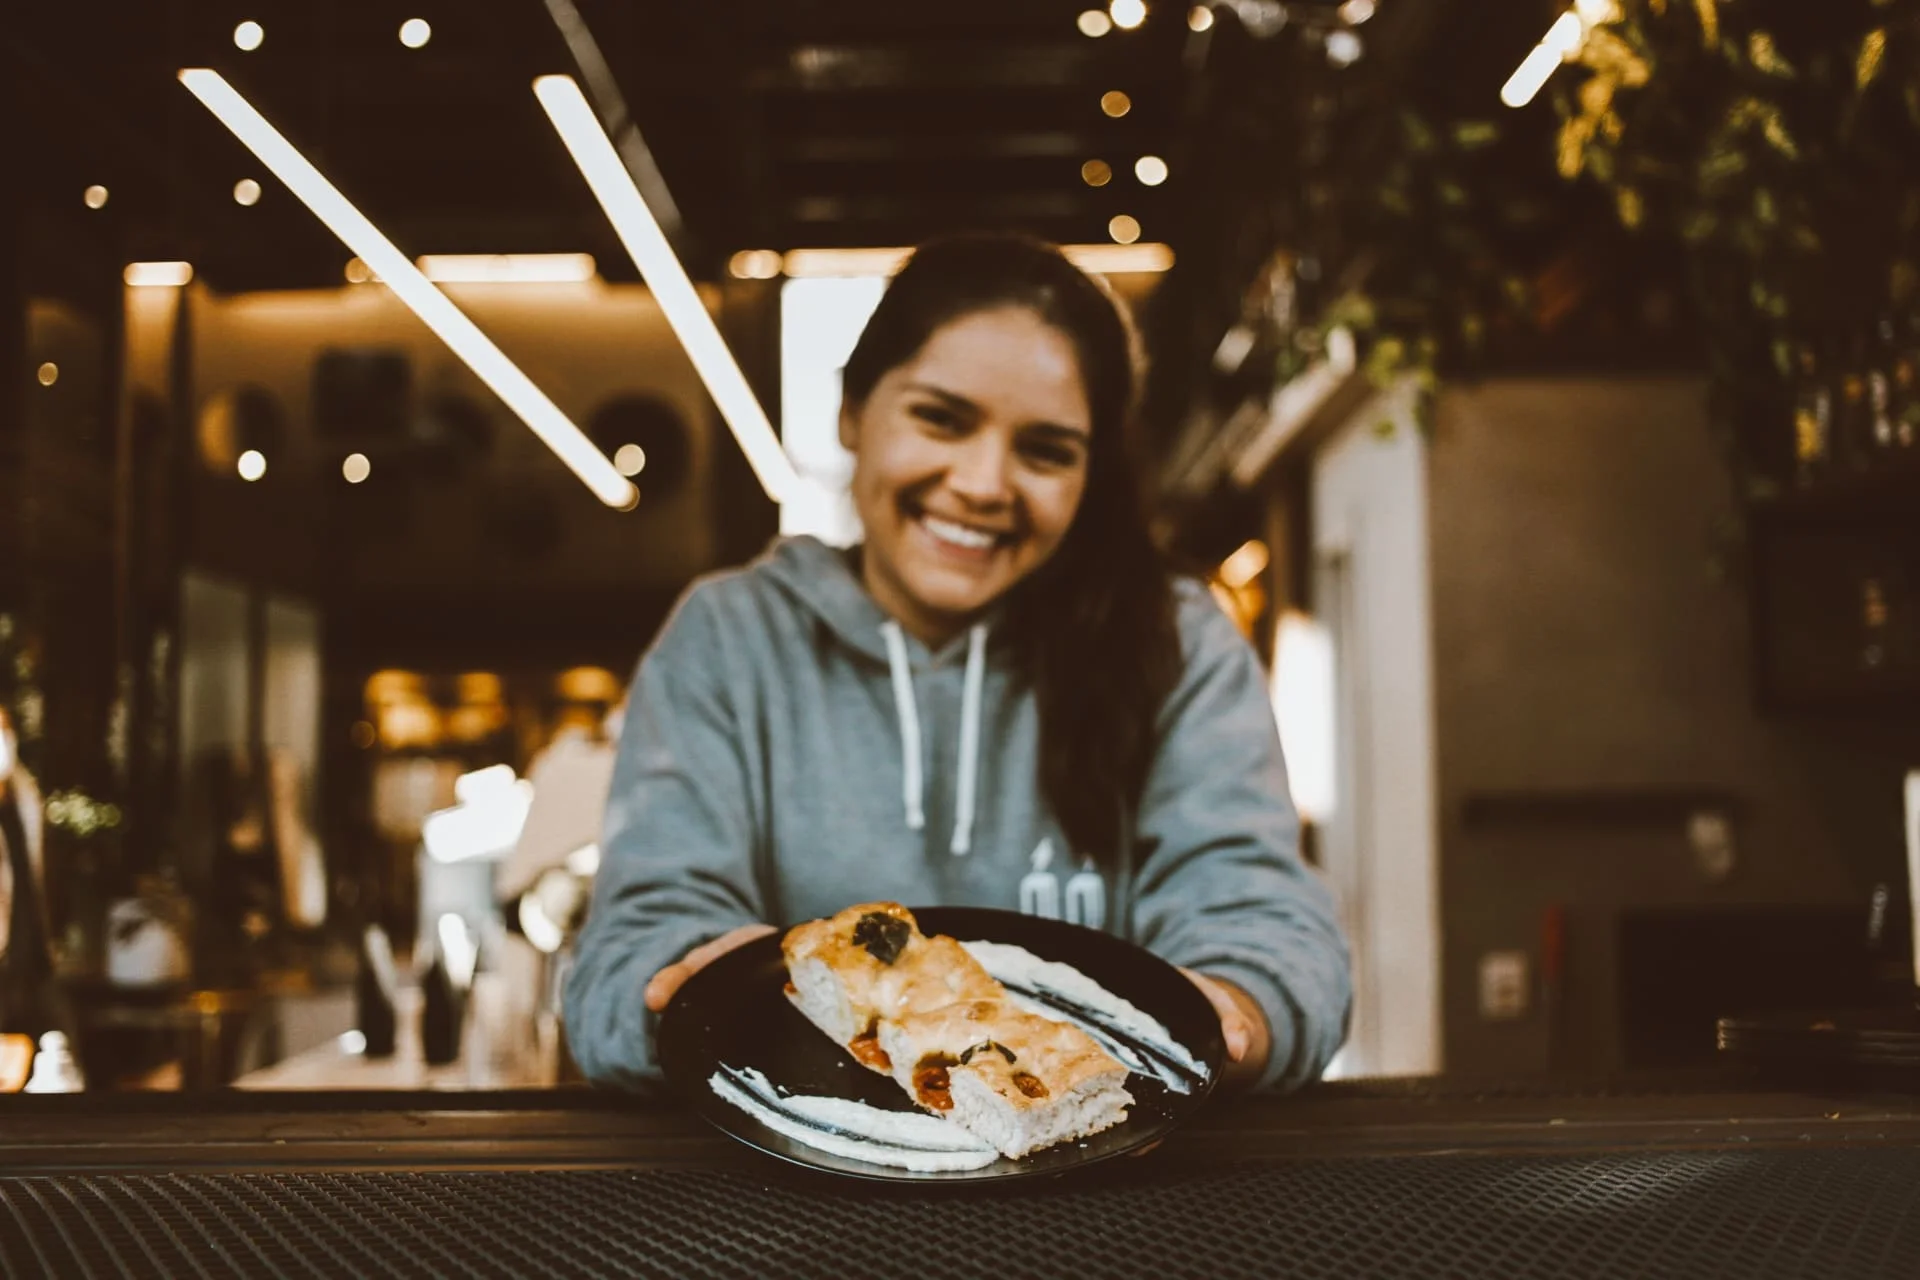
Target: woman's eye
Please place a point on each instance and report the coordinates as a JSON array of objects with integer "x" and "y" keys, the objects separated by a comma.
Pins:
[
  {"x": 938, "y": 416},
  {"x": 1047, "y": 453}
]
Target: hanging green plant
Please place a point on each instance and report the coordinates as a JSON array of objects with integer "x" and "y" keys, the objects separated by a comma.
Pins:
[
  {"x": 1778, "y": 142},
  {"x": 1438, "y": 273}
]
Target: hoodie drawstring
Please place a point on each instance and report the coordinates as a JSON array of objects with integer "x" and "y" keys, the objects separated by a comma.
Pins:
[
  {"x": 969, "y": 740},
  {"x": 908, "y": 710},
  {"x": 909, "y": 713}
]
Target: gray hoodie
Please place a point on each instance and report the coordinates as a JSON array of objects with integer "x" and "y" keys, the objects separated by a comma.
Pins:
[{"x": 789, "y": 750}]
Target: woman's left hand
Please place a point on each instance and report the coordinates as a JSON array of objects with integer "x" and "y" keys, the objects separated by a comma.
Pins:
[{"x": 1242, "y": 1026}]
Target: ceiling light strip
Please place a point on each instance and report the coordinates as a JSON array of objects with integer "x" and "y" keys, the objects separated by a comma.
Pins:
[
  {"x": 508, "y": 268},
  {"x": 1103, "y": 259},
  {"x": 634, "y": 222},
  {"x": 433, "y": 307}
]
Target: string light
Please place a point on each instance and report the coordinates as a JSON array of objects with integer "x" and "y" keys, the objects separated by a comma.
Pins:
[{"x": 150, "y": 275}]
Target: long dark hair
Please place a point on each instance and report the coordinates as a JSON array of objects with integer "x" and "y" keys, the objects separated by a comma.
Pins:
[{"x": 1093, "y": 630}]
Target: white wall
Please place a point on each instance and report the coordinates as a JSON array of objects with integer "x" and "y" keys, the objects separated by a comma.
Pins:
[
  {"x": 820, "y": 320},
  {"x": 1372, "y": 589}
]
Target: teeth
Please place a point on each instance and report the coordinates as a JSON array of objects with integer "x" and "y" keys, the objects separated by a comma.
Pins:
[{"x": 958, "y": 534}]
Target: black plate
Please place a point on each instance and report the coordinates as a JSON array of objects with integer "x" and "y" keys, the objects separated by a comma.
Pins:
[{"x": 734, "y": 1013}]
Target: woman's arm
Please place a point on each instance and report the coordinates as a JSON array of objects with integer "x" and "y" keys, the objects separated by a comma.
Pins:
[
  {"x": 1221, "y": 888},
  {"x": 677, "y": 847}
]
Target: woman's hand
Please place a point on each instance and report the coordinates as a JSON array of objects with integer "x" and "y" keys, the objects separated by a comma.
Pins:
[
  {"x": 664, "y": 983},
  {"x": 1242, "y": 1026}
]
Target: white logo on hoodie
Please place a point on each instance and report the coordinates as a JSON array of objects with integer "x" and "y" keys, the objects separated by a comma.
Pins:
[
  {"x": 1085, "y": 899},
  {"x": 1040, "y": 888}
]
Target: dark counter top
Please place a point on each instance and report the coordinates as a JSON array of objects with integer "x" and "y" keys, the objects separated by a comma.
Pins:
[
  {"x": 1696, "y": 1177},
  {"x": 586, "y": 1128}
]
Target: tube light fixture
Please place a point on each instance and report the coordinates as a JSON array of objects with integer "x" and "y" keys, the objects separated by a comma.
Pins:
[
  {"x": 1103, "y": 259},
  {"x": 815, "y": 264},
  {"x": 755, "y": 264},
  {"x": 1248, "y": 562},
  {"x": 507, "y": 268},
  {"x": 157, "y": 275},
  {"x": 433, "y": 307},
  {"x": 1562, "y": 41},
  {"x": 634, "y": 223}
]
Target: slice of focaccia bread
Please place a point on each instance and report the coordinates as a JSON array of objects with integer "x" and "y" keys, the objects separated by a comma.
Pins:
[
  {"x": 871, "y": 962},
  {"x": 1018, "y": 1080}
]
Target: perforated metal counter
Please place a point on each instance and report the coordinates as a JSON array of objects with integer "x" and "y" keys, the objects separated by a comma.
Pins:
[{"x": 1405, "y": 1180}]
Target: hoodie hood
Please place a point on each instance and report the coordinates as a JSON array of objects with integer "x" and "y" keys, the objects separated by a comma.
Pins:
[{"x": 825, "y": 581}]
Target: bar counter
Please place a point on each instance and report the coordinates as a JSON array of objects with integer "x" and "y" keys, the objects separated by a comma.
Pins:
[{"x": 1704, "y": 1176}]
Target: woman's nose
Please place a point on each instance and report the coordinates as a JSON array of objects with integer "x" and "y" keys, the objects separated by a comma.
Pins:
[{"x": 980, "y": 472}]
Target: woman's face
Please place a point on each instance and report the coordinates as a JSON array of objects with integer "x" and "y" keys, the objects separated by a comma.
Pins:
[{"x": 969, "y": 463}]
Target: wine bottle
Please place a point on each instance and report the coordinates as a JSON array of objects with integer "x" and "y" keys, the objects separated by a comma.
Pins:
[
  {"x": 440, "y": 1014},
  {"x": 376, "y": 993},
  {"x": 444, "y": 988}
]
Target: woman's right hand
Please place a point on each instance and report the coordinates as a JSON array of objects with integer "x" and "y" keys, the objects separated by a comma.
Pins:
[{"x": 664, "y": 983}]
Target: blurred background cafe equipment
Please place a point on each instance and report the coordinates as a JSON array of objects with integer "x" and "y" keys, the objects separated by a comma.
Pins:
[{"x": 1535, "y": 384}]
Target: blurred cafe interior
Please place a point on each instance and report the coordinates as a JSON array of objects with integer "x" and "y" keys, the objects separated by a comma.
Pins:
[{"x": 1535, "y": 386}]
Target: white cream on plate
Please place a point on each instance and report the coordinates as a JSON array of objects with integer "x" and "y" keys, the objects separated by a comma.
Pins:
[
  {"x": 908, "y": 1140},
  {"x": 1063, "y": 993}
]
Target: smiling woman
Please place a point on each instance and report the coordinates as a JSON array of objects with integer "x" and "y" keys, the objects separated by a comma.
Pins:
[
  {"x": 1002, "y": 698},
  {"x": 987, "y": 408}
]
